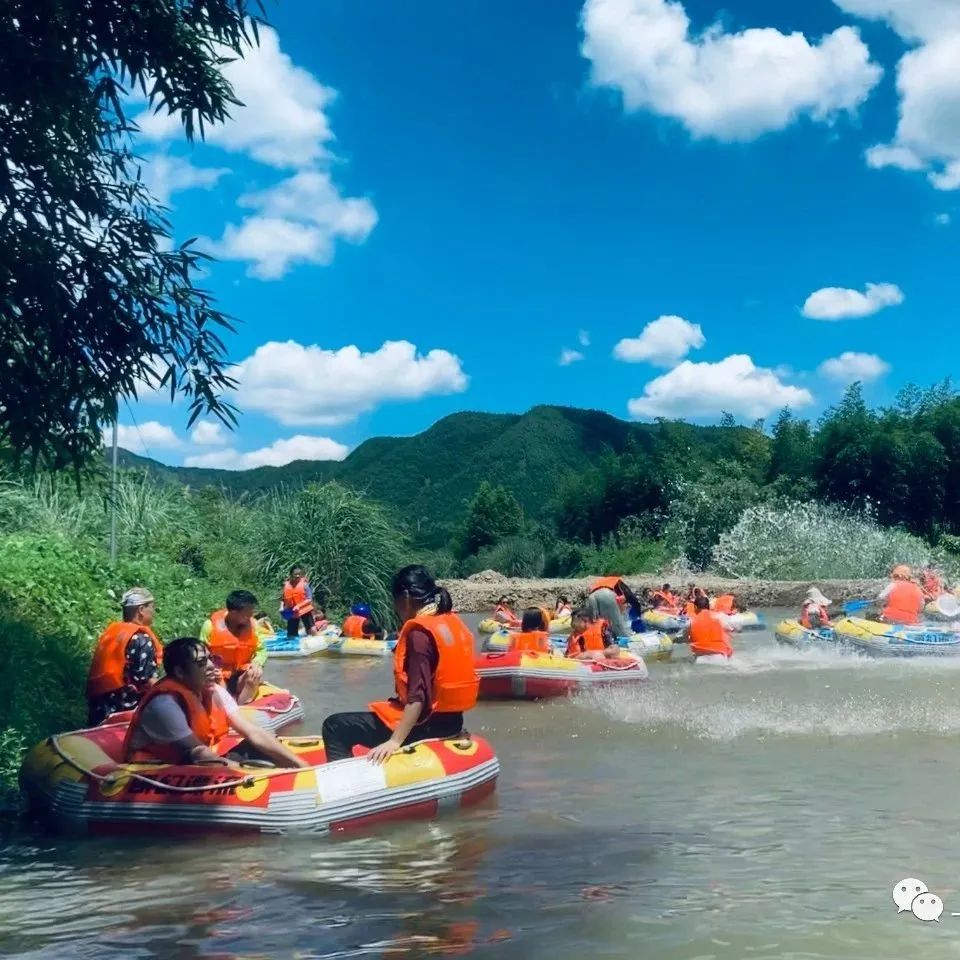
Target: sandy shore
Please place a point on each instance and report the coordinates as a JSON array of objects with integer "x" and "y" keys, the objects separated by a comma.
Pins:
[{"x": 479, "y": 593}]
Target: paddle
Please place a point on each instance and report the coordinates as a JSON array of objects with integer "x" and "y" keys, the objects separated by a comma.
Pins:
[{"x": 853, "y": 605}]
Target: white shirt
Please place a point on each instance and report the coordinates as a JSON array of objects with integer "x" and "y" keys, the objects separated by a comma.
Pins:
[{"x": 163, "y": 720}]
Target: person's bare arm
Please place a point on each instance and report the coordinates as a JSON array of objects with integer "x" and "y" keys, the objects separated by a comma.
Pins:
[{"x": 265, "y": 742}]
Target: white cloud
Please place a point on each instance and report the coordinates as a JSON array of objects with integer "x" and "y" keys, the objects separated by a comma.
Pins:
[
  {"x": 943, "y": 219},
  {"x": 838, "y": 303},
  {"x": 166, "y": 175},
  {"x": 209, "y": 433},
  {"x": 664, "y": 342},
  {"x": 297, "y": 221},
  {"x": 583, "y": 338},
  {"x": 282, "y": 122},
  {"x": 568, "y": 356},
  {"x": 730, "y": 86},
  {"x": 705, "y": 389},
  {"x": 850, "y": 366},
  {"x": 276, "y": 455},
  {"x": 307, "y": 385},
  {"x": 928, "y": 83},
  {"x": 144, "y": 438}
]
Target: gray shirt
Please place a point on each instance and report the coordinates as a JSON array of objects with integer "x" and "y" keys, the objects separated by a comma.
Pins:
[{"x": 602, "y": 605}]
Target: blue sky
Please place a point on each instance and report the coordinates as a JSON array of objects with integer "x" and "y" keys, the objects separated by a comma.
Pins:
[{"x": 425, "y": 207}]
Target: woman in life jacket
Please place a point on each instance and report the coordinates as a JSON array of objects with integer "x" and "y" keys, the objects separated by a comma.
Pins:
[
  {"x": 707, "y": 634},
  {"x": 125, "y": 659},
  {"x": 533, "y": 636},
  {"x": 236, "y": 645},
  {"x": 814, "y": 613},
  {"x": 931, "y": 583},
  {"x": 563, "y": 608},
  {"x": 664, "y": 599},
  {"x": 503, "y": 614},
  {"x": 297, "y": 606},
  {"x": 591, "y": 639},
  {"x": 435, "y": 679},
  {"x": 187, "y": 715}
]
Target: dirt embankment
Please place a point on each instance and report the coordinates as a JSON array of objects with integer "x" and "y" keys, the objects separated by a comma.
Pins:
[{"x": 479, "y": 593}]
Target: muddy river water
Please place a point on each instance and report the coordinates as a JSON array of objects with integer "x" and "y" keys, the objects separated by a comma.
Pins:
[{"x": 763, "y": 809}]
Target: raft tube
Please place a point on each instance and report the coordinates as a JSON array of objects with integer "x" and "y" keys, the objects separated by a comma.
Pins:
[
  {"x": 676, "y": 623},
  {"x": 894, "y": 640},
  {"x": 489, "y": 625},
  {"x": 518, "y": 675},
  {"x": 357, "y": 647},
  {"x": 282, "y": 647},
  {"x": 791, "y": 633},
  {"x": 650, "y": 645},
  {"x": 76, "y": 784}
]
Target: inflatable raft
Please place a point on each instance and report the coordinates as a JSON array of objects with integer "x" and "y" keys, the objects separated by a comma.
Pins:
[
  {"x": 76, "y": 783},
  {"x": 650, "y": 645},
  {"x": 357, "y": 647},
  {"x": 534, "y": 676},
  {"x": 893, "y": 640},
  {"x": 790, "y": 632},
  {"x": 677, "y": 623},
  {"x": 489, "y": 625},
  {"x": 283, "y": 647}
]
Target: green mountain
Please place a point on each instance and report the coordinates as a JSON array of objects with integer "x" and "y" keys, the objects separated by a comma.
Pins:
[{"x": 429, "y": 477}]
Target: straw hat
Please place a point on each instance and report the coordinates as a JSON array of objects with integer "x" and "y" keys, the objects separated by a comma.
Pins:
[{"x": 817, "y": 597}]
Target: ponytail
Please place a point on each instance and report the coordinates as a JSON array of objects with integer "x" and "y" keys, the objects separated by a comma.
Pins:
[{"x": 415, "y": 582}]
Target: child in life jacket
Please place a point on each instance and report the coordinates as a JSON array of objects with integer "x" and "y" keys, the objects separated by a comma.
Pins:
[
  {"x": 533, "y": 636},
  {"x": 591, "y": 639}
]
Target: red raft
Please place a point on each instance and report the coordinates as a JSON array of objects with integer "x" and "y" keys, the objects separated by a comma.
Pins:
[
  {"x": 76, "y": 783},
  {"x": 516, "y": 675}
]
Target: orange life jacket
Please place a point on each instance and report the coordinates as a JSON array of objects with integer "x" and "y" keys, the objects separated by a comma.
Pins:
[
  {"x": 455, "y": 683},
  {"x": 664, "y": 600},
  {"x": 207, "y": 719},
  {"x": 904, "y": 603},
  {"x": 353, "y": 626},
  {"x": 707, "y": 636},
  {"x": 235, "y": 652},
  {"x": 537, "y": 641},
  {"x": 295, "y": 598},
  {"x": 592, "y": 639},
  {"x": 723, "y": 603},
  {"x": 605, "y": 583},
  {"x": 690, "y": 609},
  {"x": 821, "y": 612},
  {"x": 109, "y": 657}
]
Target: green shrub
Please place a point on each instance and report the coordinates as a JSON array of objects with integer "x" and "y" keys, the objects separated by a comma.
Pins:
[{"x": 513, "y": 557}]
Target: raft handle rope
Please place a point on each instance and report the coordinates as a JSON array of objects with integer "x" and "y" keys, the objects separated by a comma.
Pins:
[{"x": 248, "y": 781}]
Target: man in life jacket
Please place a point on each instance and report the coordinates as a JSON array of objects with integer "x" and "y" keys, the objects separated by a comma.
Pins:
[
  {"x": 188, "y": 715},
  {"x": 591, "y": 639},
  {"x": 360, "y": 623},
  {"x": 435, "y": 678},
  {"x": 902, "y": 598},
  {"x": 297, "y": 605},
  {"x": 726, "y": 603},
  {"x": 931, "y": 583},
  {"x": 707, "y": 634},
  {"x": 125, "y": 660},
  {"x": 814, "y": 613},
  {"x": 503, "y": 614},
  {"x": 610, "y": 599},
  {"x": 533, "y": 636},
  {"x": 236, "y": 645}
]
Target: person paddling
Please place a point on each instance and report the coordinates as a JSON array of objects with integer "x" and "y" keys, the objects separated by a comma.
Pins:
[
  {"x": 125, "y": 660},
  {"x": 435, "y": 679}
]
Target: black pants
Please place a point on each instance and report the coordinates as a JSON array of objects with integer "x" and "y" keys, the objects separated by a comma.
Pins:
[
  {"x": 293, "y": 624},
  {"x": 344, "y": 731}
]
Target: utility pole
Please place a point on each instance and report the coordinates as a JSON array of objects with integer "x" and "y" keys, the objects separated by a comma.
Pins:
[{"x": 113, "y": 495}]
